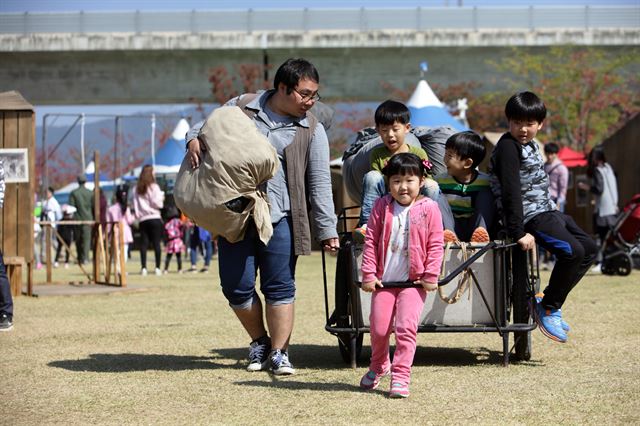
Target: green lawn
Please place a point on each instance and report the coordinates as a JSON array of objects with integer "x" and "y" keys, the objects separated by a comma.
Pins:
[{"x": 175, "y": 354}]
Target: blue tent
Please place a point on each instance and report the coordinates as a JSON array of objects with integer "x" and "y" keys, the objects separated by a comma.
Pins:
[
  {"x": 427, "y": 110},
  {"x": 169, "y": 157}
]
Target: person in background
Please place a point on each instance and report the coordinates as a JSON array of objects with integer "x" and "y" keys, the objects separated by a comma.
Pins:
[
  {"x": 558, "y": 175},
  {"x": 82, "y": 199},
  {"x": 6, "y": 300},
  {"x": 558, "y": 182},
  {"x": 37, "y": 232},
  {"x": 120, "y": 212},
  {"x": 148, "y": 199},
  {"x": 66, "y": 234},
  {"x": 200, "y": 241},
  {"x": 174, "y": 231},
  {"x": 51, "y": 212},
  {"x": 605, "y": 189}
]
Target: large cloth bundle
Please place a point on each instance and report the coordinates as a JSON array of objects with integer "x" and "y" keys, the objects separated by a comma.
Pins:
[
  {"x": 355, "y": 161},
  {"x": 223, "y": 193}
]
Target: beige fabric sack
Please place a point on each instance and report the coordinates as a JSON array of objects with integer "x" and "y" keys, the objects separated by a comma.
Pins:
[{"x": 237, "y": 160}]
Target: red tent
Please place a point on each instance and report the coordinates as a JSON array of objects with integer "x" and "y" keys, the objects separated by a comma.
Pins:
[{"x": 572, "y": 158}]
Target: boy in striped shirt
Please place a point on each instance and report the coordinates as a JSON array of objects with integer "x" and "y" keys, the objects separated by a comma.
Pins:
[{"x": 466, "y": 189}]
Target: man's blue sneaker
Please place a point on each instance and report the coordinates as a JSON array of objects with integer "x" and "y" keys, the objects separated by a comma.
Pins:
[
  {"x": 550, "y": 323},
  {"x": 565, "y": 326},
  {"x": 259, "y": 354},
  {"x": 280, "y": 364}
]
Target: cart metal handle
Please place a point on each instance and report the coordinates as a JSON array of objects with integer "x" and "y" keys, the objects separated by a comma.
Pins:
[{"x": 446, "y": 280}]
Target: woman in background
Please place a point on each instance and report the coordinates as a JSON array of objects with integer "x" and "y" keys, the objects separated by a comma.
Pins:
[{"x": 148, "y": 199}]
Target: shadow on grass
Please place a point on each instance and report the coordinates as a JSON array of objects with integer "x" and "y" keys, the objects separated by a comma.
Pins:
[
  {"x": 303, "y": 356},
  {"x": 123, "y": 363},
  {"x": 287, "y": 383}
]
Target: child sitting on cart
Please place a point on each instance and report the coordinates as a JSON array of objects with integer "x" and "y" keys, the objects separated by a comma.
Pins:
[
  {"x": 466, "y": 189},
  {"x": 404, "y": 243},
  {"x": 392, "y": 124},
  {"x": 521, "y": 187}
]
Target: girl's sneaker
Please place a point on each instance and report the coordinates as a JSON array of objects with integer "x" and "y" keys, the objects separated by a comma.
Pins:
[
  {"x": 399, "y": 390},
  {"x": 371, "y": 379}
]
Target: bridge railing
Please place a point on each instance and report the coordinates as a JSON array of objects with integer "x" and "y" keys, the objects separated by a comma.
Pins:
[{"x": 304, "y": 20}]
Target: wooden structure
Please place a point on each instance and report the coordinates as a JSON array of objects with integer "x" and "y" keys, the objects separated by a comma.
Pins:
[
  {"x": 622, "y": 150},
  {"x": 17, "y": 130},
  {"x": 108, "y": 243}
]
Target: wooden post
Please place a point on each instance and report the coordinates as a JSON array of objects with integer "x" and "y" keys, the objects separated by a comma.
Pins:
[
  {"x": 96, "y": 214},
  {"x": 30, "y": 279},
  {"x": 121, "y": 259},
  {"x": 47, "y": 235}
]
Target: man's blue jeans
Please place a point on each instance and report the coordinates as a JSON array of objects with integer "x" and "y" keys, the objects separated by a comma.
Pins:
[{"x": 239, "y": 262}]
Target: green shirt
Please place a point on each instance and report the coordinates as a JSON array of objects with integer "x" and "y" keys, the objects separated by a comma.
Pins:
[
  {"x": 462, "y": 196},
  {"x": 380, "y": 155}
]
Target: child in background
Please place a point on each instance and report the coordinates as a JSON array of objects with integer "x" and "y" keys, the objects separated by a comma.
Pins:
[
  {"x": 392, "y": 124},
  {"x": 120, "y": 212},
  {"x": 521, "y": 188},
  {"x": 404, "y": 243},
  {"x": 66, "y": 233},
  {"x": 200, "y": 241},
  {"x": 175, "y": 245},
  {"x": 466, "y": 189}
]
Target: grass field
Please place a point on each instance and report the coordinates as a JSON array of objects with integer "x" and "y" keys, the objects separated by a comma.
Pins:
[{"x": 175, "y": 354}]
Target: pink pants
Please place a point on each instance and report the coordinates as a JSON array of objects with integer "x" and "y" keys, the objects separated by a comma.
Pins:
[{"x": 400, "y": 307}]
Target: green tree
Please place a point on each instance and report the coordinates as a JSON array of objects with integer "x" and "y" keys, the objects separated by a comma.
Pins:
[{"x": 588, "y": 91}]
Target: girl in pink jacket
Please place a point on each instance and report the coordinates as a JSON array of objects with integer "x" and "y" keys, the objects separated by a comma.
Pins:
[{"x": 403, "y": 243}]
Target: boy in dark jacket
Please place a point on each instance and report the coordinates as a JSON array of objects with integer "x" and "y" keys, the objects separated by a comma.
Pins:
[{"x": 521, "y": 188}]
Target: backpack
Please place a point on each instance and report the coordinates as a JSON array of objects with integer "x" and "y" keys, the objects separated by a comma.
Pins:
[
  {"x": 355, "y": 161},
  {"x": 226, "y": 172}
]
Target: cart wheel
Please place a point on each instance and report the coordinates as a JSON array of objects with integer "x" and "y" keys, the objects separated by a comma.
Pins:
[
  {"x": 345, "y": 350},
  {"x": 342, "y": 299},
  {"x": 520, "y": 307}
]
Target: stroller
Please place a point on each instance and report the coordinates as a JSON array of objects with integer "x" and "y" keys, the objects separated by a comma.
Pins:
[{"x": 621, "y": 248}]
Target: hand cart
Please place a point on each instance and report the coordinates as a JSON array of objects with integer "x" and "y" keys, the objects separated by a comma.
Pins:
[{"x": 502, "y": 281}]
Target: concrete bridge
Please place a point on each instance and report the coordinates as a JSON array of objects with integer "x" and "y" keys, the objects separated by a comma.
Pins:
[{"x": 158, "y": 57}]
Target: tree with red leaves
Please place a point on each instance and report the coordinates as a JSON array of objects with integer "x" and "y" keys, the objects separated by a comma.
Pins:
[{"x": 589, "y": 92}]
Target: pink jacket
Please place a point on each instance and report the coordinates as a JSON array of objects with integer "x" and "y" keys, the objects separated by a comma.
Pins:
[
  {"x": 114, "y": 214},
  {"x": 148, "y": 205},
  {"x": 425, "y": 240}
]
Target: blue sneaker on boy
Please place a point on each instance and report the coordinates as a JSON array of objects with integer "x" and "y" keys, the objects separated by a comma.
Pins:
[
  {"x": 564, "y": 324},
  {"x": 550, "y": 323}
]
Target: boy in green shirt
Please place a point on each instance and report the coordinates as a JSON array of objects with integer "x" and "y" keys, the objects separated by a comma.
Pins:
[{"x": 392, "y": 124}]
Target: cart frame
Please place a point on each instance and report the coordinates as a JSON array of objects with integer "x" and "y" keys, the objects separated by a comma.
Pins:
[{"x": 345, "y": 321}]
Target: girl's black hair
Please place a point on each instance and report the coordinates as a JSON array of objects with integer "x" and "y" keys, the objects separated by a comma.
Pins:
[
  {"x": 595, "y": 156},
  {"x": 404, "y": 163},
  {"x": 122, "y": 196},
  {"x": 172, "y": 212}
]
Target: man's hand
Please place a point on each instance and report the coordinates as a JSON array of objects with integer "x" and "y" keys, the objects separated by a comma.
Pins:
[
  {"x": 370, "y": 286},
  {"x": 331, "y": 245},
  {"x": 194, "y": 152},
  {"x": 427, "y": 286},
  {"x": 527, "y": 242}
]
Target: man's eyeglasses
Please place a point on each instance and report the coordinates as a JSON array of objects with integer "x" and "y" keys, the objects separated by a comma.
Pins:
[{"x": 306, "y": 97}]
